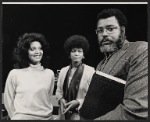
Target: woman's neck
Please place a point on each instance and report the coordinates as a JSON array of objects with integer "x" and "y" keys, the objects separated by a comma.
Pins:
[
  {"x": 36, "y": 66},
  {"x": 76, "y": 64}
]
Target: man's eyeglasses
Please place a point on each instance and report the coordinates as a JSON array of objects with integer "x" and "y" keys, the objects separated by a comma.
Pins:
[{"x": 109, "y": 30}]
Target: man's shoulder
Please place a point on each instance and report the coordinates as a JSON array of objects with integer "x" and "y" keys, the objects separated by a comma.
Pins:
[
  {"x": 138, "y": 44},
  {"x": 137, "y": 49}
]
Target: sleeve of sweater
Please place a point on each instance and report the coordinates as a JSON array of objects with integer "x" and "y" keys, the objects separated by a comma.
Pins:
[
  {"x": 9, "y": 93},
  {"x": 135, "y": 103},
  {"x": 52, "y": 83},
  {"x": 59, "y": 90}
]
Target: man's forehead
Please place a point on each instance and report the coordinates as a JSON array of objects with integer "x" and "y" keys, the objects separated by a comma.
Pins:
[{"x": 108, "y": 21}]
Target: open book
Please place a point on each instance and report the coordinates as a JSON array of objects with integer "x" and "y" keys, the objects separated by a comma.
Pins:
[{"x": 104, "y": 94}]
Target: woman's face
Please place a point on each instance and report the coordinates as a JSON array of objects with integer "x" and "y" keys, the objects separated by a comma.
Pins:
[
  {"x": 76, "y": 54},
  {"x": 35, "y": 52}
]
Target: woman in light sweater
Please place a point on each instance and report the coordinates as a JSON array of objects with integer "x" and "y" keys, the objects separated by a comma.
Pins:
[
  {"x": 74, "y": 80},
  {"x": 29, "y": 86}
]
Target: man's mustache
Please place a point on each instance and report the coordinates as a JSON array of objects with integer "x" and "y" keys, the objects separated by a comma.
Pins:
[{"x": 105, "y": 40}]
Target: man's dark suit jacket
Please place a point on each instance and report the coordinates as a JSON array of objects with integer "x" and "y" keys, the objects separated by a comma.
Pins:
[{"x": 131, "y": 64}]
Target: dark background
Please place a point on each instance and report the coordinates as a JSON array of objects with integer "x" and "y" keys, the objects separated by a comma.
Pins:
[{"x": 58, "y": 22}]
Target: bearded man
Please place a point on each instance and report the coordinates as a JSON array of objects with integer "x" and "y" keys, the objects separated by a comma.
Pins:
[{"x": 125, "y": 60}]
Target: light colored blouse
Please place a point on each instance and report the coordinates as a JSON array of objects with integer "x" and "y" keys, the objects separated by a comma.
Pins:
[{"x": 28, "y": 92}]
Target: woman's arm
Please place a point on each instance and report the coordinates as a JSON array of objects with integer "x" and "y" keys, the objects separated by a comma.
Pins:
[
  {"x": 52, "y": 83},
  {"x": 59, "y": 90},
  {"x": 9, "y": 94}
]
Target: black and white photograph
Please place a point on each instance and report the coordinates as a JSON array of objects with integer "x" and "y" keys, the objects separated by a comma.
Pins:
[{"x": 74, "y": 61}]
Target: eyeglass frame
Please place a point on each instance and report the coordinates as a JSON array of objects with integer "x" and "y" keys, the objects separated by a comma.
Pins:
[{"x": 107, "y": 30}]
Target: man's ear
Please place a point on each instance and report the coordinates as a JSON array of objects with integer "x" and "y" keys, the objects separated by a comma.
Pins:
[{"x": 123, "y": 30}]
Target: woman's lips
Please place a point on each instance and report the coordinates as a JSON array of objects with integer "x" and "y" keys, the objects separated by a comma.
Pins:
[{"x": 37, "y": 56}]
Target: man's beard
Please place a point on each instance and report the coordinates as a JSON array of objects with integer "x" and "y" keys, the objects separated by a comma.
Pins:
[{"x": 113, "y": 46}]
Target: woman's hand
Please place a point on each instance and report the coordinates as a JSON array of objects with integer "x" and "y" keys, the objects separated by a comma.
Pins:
[
  {"x": 62, "y": 105},
  {"x": 70, "y": 105}
]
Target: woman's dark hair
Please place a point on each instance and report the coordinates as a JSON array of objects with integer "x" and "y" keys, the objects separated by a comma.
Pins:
[
  {"x": 122, "y": 20},
  {"x": 20, "y": 53},
  {"x": 76, "y": 41}
]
